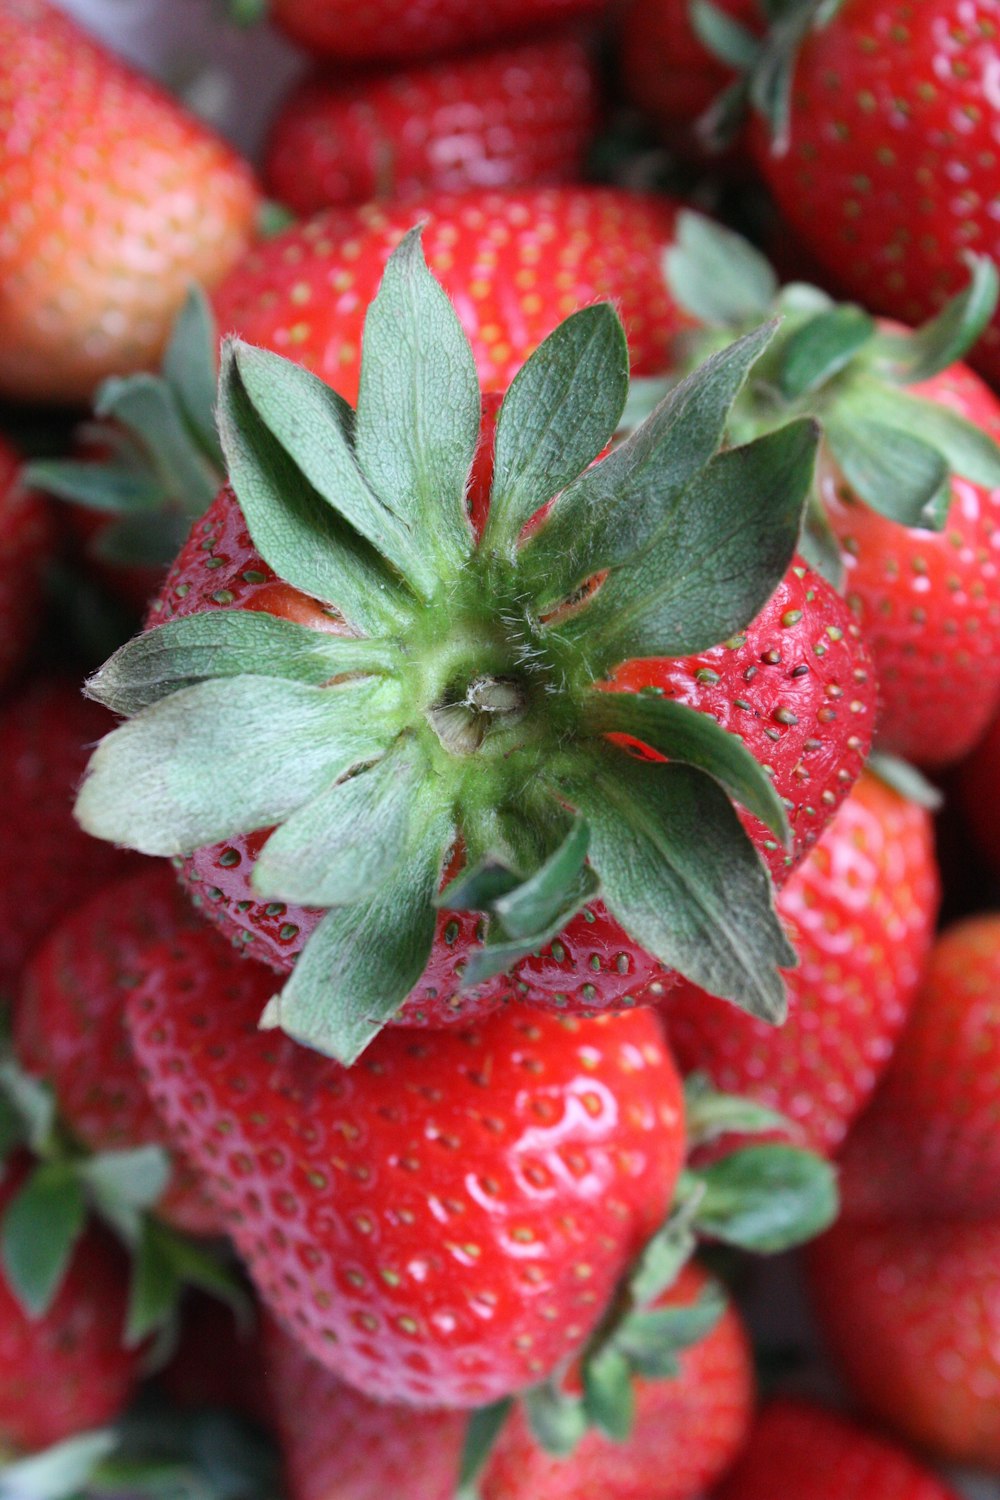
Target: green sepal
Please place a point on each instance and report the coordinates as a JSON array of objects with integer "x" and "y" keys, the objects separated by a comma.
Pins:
[
  {"x": 110, "y": 487},
  {"x": 665, "y": 1255},
  {"x": 731, "y": 538},
  {"x": 608, "y": 1393},
  {"x": 907, "y": 358},
  {"x": 717, "y": 275},
  {"x": 485, "y": 1426},
  {"x": 34, "y": 1102},
  {"x": 40, "y": 1229},
  {"x": 163, "y": 1264},
  {"x": 146, "y": 406},
  {"x": 125, "y": 1184},
  {"x": 905, "y": 779},
  {"x": 190, "y": 369},
  {"x": 709, "y": 1114},
  {"x": 342, "y": 846},
  {"x": 902, "y": 477},
  {"x": 228, "y": 757},
  {"x": 723, "y": 36},
  {"x": 141, "y": 540},
  {"x": 477, "y": 886},
  {"x": 645, "y": 392},
  {"x": 531, "y": 906},
  {"x": 419, "y": 405},
  {"x": 12, "y": 1130},
  {"x": 561, "y": 409},
  {"x": 247, "y": 12},
  {"x": 59, "y": 1472},
  {"x": 363, "y": 960},
  {"x": 297, "y": 533},
  {"x": 229, "y": 643},
  {"x": 820, "y": 348},
  {"x": 650, "y": 1340},
  {"x": 820, "y": 545},
  {"x": 313, "y": 427},
  {"x": 680, "y": 874},
  {"x": 967, "y": 449},
  {"x": 558, "y": 1422},
  {"x": 611, "y": 513},
  {"x": 684, "y": 734},
  {"x": 765, "y": 1198},
  {"x": 500, "y": 953}
]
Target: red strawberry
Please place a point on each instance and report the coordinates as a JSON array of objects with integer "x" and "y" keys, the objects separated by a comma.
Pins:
[
  {"x": 69, "y": 1024},
  {"x": 686, "y": 1433},
  {"x": 910, "y": 1313},
  {"x": 802, "y": 1450},
  {"x": 505, "y": 118},
  {"x": 67, "y": 1370},
  {"x": 444, "y": 1222},
  {"x": 45, "y": 736},
  {"x": 514, "y": 263},
  {"x": 861, "y": 912},
  {"x": 112, "y": 199},
  {"x": 25, "y": 542},
  {"x": 976, "y": 787},
  {"x": 397, "y": 28},
  {"x": 885, "y": 166},
  {"x": 928, "y": 1143}
]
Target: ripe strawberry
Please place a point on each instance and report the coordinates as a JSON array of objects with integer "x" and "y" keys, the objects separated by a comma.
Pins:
[
  {"x": 112, "y": 200},
  {"x": 909, "y": 1311},
  {"x": 514, "y": 263},
  {"x": 385, "y": 29},
  {"x": 25, "y": 543},
  {"x": 509, "y": 117},
  {"x": 443, "y": 1223},
  {"x": 798, "y": 1448},
  {"x": 67, "y": 1370},
  {"x": 884, "y": 165},
  {"x": 45, "y": 735},
  {"x": 687, "y": 1429},
  {"x": 928, "y": 1142},
  {"x": 69, "y": 1025},
  {"x": 861, "y": 912}
]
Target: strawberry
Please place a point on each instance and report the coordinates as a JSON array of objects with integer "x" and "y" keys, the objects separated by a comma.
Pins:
[
  {"x": 68, "y": 1369},
  {"x": 45, "y": 733},
  {"x": 861, "y": 912},
  {"x": 113, "y": 200},
  {"x": 69, "y": 1025},
  {"x": 388, "y": 29},
  {"x": 878, "y": 145},
  {"x": 515, "y": 264},
  {"x": 927, "y": 1144},
  {"x": 909, "y": 1312},
  {"x": 514, "y": 646},
  {"x": 443, "y": 1223},
  {"x": 508, "y": 117},
  {"x": 686, "y": 1433},
  {"x": 25, "y": 544},
  {"x": 976, "y": 795},
  {"x": 801, "y": 1449}
]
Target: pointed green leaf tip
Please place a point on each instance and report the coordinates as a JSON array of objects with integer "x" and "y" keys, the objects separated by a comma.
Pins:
[{"x": 455, "y": 706}]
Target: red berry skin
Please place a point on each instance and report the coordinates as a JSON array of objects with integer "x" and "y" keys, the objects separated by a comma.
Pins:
[
  {"x": 335, "y": 1442},
  {"x": 928, "y": 1143},
  {"x": 515, "y": 264},
  {"x": 687, "y": 1429},
  {"x": 113, "y": 200},
  {"x": 447, "y": 1220},
  {"x": 391, "y": 29},
  {"x": 929, "y": 602},
  {"x": 910, "y": 1313},
  {"x": 26, "y": 538},
  {"x": 800, "y": 1449},
  {"x": 860, "y": 912},
  {"x": 66, "y": 1371},
  {"x": 510, "y": 117},
  {"x": 890, "y": 171},
  {"x": 69, "y": 1025},
  {"x": 46, "y": 735}
]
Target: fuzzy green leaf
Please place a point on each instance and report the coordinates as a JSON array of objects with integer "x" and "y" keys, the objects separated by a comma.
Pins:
[
  {"x": 904, "y": 478},
  {"x": 610, "y": 514},
  {"x": 967, "y": 449},
  {"x": 293, "y": 528},
  {"x": 710, "y": 1114},
  {"x": 558, "y": 1422},
  {"x": 681, "y": 875},
  {"x": 419, "y": 404},
  {"x": 723, "y": 36},
  {"x": 532, "y": 906},
  {"x": 125, "y": 1183},
  {"x": 501, "y": 952},
  {"x": 732, "y": 536},
  {"x": 147, "y": 407},
  {"x": 363, "y": 960},
  {"x": 766, "y": 1198},
  {"x": 190, "y": 369},
  {"x": 663, "y": 1257},
  {"x": 228, "y": 643},
  {"x": 717, "y": 275},
  {"x": 342, "y": 846},
  {"x": 696, "y": 739},
  {"x": 40, "y": 1229},
  {"x": 820, "y": 348},
  {"x": 312, "y": 425},
  {"x": 651, "y": 1340},
  {"x": 228, "y": 757},
  {"x": 913, "y": 356},
  {"x": 485, "y": 1426},
  {"x": 59, "y": 1472},
  {"x": 562, "y": 408},
  {"x": 905, "y": 779},
  {"x": 477, "y": 886},
  {"x": 106, "y": 487},
  {"x": 608, "y": 1396}
]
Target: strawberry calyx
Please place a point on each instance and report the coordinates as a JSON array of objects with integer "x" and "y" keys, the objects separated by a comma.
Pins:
[
  {"x": 837, "y": 364},
  {"x": 455, "y": 692}
]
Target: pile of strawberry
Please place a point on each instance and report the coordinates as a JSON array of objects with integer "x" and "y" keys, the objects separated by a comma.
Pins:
[{"x": 473, "y": 646}]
